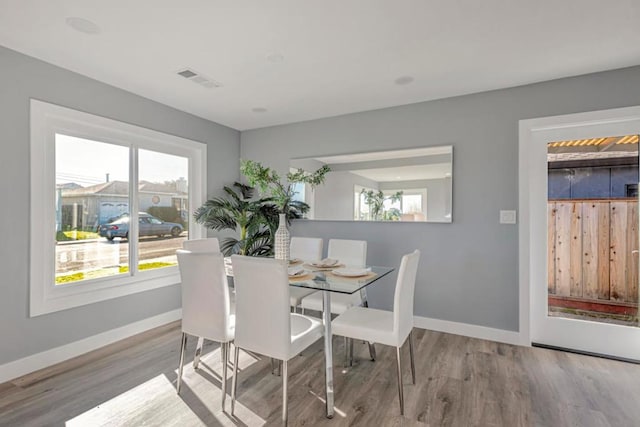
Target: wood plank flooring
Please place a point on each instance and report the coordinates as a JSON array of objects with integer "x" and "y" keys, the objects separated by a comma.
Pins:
[{"x": 460, "y": 382}]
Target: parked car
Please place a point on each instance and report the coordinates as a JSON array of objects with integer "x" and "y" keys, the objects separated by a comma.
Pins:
[{"x": 147, "y": 225}]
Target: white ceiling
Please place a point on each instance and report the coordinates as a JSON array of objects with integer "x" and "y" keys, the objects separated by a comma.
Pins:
[
  {"x": 406, "y": 173},
  {"x": 337, "y": 56}
]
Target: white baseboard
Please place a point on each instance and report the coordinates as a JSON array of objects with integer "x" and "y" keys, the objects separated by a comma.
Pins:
[
  {"x": 32, "y": 363},
  {"x": 468, "y": 330}
]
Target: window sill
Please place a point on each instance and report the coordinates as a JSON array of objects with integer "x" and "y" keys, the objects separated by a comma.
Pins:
[{"x": 63, "y": 297}]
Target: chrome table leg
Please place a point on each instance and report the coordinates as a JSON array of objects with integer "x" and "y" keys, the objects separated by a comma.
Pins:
[{"x": 365, "y": 303}]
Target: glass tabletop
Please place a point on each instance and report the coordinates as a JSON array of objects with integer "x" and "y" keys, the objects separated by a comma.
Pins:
[{"x": 328, "y": 281}]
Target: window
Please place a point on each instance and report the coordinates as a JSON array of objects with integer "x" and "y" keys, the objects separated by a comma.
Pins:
[
  {"x": 411, "y": 204},
  {"x": 109, "y": 207},
  {"x": 388, "y": 205},
  {"x": 361, "y": 210}
]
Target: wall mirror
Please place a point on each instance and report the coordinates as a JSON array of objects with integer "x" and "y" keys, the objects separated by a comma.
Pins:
[{"x": 399, "y": 185}]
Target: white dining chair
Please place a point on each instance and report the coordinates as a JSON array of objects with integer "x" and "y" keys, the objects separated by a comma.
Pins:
[
  {"x": 207, "y": 244},
  {"x": 351, "y": 253},
  {"x": 307, "y": 249},
  {"x": 386, "y": 327},
  {"x": 206, "y": 311},
  {"x": 264, "y": 323}
]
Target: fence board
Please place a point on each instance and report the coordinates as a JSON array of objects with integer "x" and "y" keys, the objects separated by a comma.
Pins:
[
  {"x": 604, "y": 265},
  {"x": 590, "y": 242},
  {"x": 563, "y": 248},
  {"x": 551, "y": 242},
  {"x": 591, "y": 246},
  {"x": 575, "y": 262},
  {"x": 632, "y": 259},
  {"x": 618, "y": 251}
]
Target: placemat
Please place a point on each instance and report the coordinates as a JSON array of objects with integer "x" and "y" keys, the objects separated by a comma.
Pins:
[
  {"x": 301, "y": 277},
  {"x": 314, "y": 268}
]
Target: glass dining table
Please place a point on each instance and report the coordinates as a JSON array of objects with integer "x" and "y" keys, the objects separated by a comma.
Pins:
[{"x": 328, "y": 283}]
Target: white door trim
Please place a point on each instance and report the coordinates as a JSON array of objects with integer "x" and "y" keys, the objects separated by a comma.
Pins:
[{"x": 570, "y": 126}]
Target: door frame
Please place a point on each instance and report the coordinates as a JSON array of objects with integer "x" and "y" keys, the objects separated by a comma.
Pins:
[{"x": 532, "y": 186}]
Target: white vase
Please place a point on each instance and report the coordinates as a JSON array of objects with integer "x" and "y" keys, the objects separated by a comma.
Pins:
[{"x": 282, "y": 239}]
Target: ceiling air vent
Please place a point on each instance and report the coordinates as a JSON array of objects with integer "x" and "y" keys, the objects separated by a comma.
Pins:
[{"x": 198, "y": 78}]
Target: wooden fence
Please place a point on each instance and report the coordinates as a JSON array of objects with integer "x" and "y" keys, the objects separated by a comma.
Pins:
[{"x": 593, "y": 248}]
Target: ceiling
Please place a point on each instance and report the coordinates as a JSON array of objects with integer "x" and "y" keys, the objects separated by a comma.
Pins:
[
  {"x": 302, "y": 60},
  {"x": 406, "y": 173}
]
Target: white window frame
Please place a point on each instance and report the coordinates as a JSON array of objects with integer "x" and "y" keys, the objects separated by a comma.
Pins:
[
  {"x": 49, "y": 119},
  {"x": 357, "y": 208}
]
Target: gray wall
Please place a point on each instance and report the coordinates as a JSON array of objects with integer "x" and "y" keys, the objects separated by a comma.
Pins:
[
  {"x": 469, "y": 269},
  {"x": 22, "y": 78}
]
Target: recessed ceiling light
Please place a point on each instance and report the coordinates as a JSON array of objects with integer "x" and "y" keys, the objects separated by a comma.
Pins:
[
  {"x": 259, "y": 110},
  {"x": 403, "y": 80},
  {"x": 275, "y": 57},
  {"x": 83, "y": 25}
]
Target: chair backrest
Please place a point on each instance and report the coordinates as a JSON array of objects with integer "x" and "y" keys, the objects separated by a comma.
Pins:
[
  {"x": 205, "y": 295},
  {"x": 352, "y": 253},
  {"x": 209, "y": 244},
  {"x": 306, "y": 248},
  {"x": 263, "y": 322},
  {"x": 403, "y": 299}
]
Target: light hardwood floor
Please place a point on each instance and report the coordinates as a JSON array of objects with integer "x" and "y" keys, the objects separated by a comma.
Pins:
[{"x": 460, "y": 382}]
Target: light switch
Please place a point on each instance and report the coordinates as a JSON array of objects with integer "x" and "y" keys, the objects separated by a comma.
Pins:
[{"x": 507, "y": 217}]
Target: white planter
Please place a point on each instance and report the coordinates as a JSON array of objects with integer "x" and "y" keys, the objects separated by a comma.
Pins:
[{"x": 282, "y": 239}]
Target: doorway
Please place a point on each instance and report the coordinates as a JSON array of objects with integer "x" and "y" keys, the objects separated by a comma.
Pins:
[{"x": 579, "y": 231}]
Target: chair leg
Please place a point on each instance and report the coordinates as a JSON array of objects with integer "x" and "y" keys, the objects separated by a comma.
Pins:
[
  {"x": 275, "y": 367},
  {"x": 224, "y": 349},
  {"x": 285, "y": 378},
  {"x": 183, "y": 347},
  {"x": 234, "y": 381},
  {"x": 346, "y": 352},
  {"x": 196, "y": 356},
  {"x": 400, "y": 395},
  {"x": 413, "y": 365},
  {"x": 372, "y": 351},
  {"x": 350, "y": 352}
]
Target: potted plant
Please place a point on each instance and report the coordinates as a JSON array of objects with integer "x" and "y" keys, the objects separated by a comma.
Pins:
[
  {"x": 253, "y": 219},
  {"x": 268, "y": 181},
  {"x": 375, "y": 200}
]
